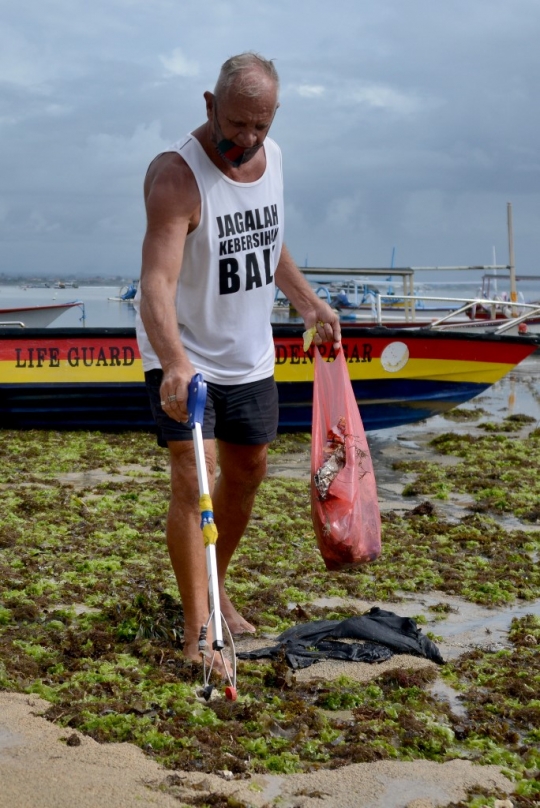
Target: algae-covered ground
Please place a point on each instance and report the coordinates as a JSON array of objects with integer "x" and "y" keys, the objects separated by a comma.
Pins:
[{"x": 90, "y": 618}]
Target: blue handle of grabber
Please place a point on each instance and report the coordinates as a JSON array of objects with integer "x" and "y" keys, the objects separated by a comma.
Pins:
[{"x": 196, "y": 400}]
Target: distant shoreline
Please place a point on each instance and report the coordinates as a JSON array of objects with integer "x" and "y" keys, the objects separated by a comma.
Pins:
[{"x": 69, "y": 280}]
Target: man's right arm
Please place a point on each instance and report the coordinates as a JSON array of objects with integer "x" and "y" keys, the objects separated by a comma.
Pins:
[{"x": 172, "y": 205}]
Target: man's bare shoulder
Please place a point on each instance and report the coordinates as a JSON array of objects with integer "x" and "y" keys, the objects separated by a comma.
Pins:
[{"x": 170, "y": 184}]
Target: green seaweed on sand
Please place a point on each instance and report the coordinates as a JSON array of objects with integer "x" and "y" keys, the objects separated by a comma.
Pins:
[
  {"x": 90, "y": 620},
  {"x": 500, "y": 692},
  {"x": 499, "y": 472},
  {"x": 464, "y": 414},
  {"x": 291, "y": 444},
  {"x": 45, "y": 453}
]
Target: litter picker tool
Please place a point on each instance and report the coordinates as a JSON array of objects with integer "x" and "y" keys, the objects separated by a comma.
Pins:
[{"x": 222, "y": 640}]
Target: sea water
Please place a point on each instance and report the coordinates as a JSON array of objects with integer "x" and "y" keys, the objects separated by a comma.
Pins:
[
  {"x": 102, "y": 311},
  {"x": 99, "y": 310}
]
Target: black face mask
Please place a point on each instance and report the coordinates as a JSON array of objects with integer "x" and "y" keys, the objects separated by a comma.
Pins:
[{"x": 229, "y": 151}]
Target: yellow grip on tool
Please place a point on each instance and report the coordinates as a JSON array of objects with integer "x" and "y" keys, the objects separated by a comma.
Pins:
[
  {"x": 205, "y": 503},
  {"x": 210, "y": 534},
  {"x": 209, "y": 529}
]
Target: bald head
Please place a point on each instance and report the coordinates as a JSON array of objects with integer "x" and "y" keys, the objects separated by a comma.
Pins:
[{"x": 248, "y": 75}]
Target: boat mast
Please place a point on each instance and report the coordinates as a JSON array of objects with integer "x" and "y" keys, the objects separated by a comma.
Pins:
[{"x": 511, "y": 260}]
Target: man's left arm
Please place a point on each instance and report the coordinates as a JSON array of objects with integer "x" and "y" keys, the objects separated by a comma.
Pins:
[{"x": 313, "y": 310}]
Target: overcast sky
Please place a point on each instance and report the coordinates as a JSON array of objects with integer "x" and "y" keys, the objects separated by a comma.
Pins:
[{"x": 404, "y": 124}]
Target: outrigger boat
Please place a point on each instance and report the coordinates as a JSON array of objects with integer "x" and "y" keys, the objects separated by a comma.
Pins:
[
  {"x": 92, "y": 378},
  {"x": 507, "y": 313},
  {"x": 355, "y": 293},
  {"x": 36, "y": 316}
]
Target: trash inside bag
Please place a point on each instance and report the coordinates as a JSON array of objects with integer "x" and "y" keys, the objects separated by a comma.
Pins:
[
  {"x": 344, "y": 504},
  {"x": 334, "y": 458},
  {"x": 385, "y": 634}
]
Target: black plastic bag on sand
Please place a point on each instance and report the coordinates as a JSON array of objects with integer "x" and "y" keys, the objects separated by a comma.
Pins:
[{"x": 385, "y": 634}]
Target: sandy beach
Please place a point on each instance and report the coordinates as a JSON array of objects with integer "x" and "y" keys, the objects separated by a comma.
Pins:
[{"x": 40, "y": 770}]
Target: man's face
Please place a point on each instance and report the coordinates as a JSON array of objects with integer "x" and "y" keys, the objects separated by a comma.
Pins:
[{"x": 240, "y": 125}]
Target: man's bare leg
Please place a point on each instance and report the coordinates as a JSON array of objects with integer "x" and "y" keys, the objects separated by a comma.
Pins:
[
  {"x": 184, "y": 539},
  {"x": 242, "y": 469}
]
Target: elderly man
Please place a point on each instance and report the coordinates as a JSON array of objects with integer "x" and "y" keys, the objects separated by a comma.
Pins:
[{"x": 212, "y": 257}]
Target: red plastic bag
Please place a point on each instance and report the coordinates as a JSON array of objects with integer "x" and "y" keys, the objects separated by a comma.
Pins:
[{"x": 344, "y": 504}]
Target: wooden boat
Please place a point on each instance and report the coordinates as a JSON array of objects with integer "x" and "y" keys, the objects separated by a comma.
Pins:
[
  {"x": 35, "y": 316},
  {"x": 92, "y": 378}
]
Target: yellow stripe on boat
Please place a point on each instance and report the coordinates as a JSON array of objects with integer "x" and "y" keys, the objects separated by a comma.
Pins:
[
  {"x": 428, "y": 369},
  {"x": 64, "y": 372}
]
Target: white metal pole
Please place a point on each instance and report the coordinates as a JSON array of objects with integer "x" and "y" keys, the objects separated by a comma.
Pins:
[
  {"x": 200, "y": 459},
  {"x": 495, "y": 288},
  {"x": 511, "y": 260}
]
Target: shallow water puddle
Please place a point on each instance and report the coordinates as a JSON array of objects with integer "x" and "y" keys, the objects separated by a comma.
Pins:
[
  {"x": 470, "y": 625},
  {"x": 444, "y": 692}
]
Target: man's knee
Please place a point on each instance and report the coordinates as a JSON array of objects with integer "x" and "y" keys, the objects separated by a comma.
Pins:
[
  {"x": 245, "y": 467},
  {"x": 184, "y": 478},
  {"x": 257, "y": 470}
]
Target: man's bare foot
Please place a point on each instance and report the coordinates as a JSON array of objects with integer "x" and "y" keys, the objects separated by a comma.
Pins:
[{"x": 235, "y": 621}]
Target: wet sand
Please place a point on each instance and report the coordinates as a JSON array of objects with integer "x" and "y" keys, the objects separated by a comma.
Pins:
[{"x": 45, "y": 766}]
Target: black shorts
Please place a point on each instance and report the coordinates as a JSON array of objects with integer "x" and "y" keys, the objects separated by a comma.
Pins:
[{"x": 245, "y": 414}]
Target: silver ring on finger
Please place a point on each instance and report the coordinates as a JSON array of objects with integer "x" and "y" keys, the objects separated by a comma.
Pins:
[{"x": 171, "y": 398}]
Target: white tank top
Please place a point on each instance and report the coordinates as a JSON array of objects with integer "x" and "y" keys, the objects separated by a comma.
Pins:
[{"x": 226, "y": 288}]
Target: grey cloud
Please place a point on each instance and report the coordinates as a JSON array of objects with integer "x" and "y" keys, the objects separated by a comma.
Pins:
[{"x": 407, "y": 125}]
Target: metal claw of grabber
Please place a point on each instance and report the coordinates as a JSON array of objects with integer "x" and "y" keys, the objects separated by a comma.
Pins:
[{"x": 216, "y": 622}]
